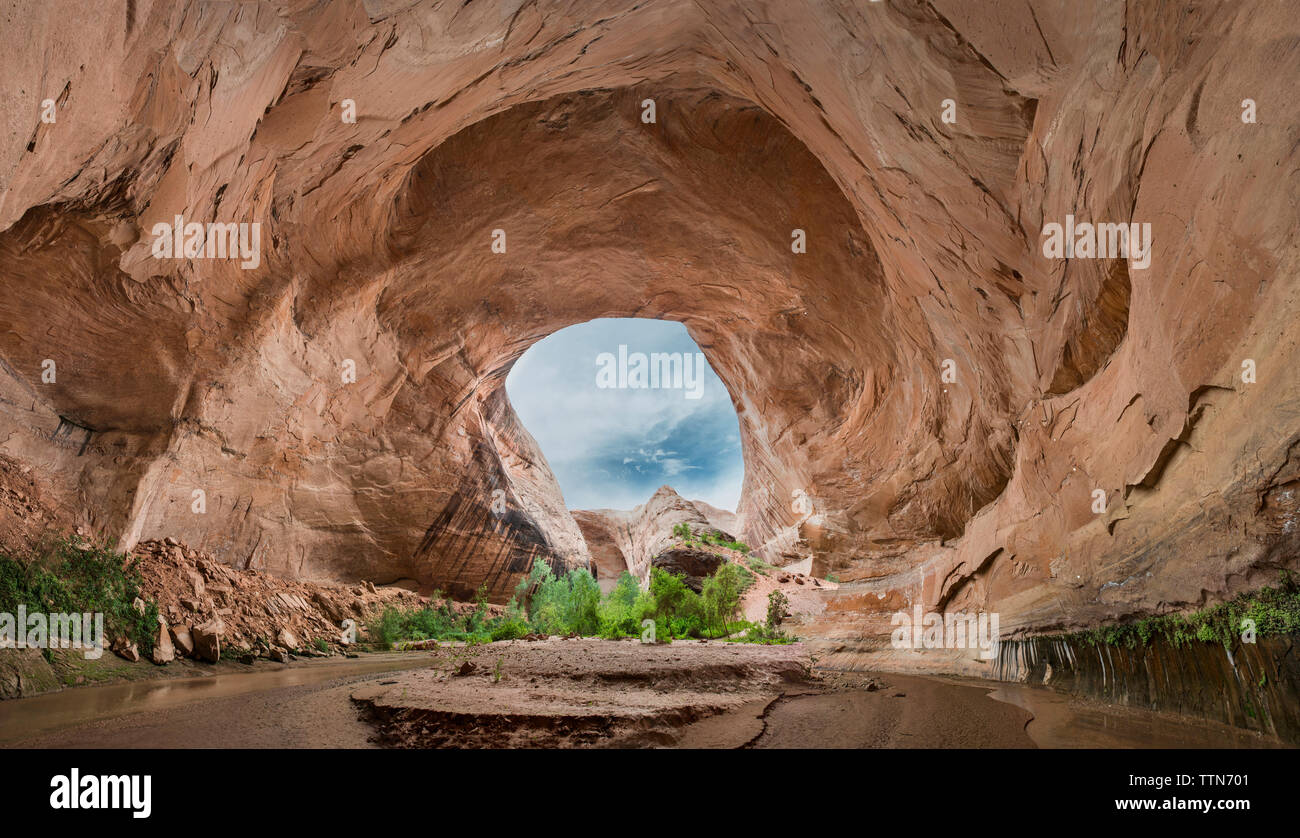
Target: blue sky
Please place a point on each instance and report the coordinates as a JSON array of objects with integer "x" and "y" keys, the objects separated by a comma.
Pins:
[{"x": 611, "y": 448}]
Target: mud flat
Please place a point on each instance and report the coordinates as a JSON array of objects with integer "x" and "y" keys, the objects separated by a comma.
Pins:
[
  {"x": 576, "y": 693},
  {"x": 586, "y": 693},
  {"x": 296, "y": 705}
]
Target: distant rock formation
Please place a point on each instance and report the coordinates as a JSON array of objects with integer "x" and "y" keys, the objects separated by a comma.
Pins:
[{"x": 637, "y": 539}]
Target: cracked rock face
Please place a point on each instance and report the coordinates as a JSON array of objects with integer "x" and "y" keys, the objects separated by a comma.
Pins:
[{"x": 927, "y": 403}]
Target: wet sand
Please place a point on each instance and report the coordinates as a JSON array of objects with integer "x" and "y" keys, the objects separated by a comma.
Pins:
[
  {"x": 1065, "y": 721},
  {"x": 300, "y": 705},
  {"x": 900, "y": 712},
  {"x": 587, "y": 693}
]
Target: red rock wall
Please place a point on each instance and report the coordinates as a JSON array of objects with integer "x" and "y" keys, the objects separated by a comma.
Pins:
[{"x": 923, "y": 246}]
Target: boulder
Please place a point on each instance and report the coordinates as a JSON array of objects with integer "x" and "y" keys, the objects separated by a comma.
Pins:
[
  {"x": 163, "y": 650},
  {"x": 332, "y": 609},
  {"x": 126, "y": 649},
  {"x": 25, "y": 672},
  {"x": 207, "y": 640},
  {"x": 694, "y": 563},
  {"x": 183, "y": 640}
]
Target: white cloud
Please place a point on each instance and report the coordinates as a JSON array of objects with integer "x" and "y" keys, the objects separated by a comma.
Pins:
[{"x": 612, "y": 447}]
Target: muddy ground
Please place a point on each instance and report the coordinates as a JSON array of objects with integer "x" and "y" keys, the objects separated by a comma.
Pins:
[
  {"x": 584, "y": 693},
  {"x": 576, "y": 693}
]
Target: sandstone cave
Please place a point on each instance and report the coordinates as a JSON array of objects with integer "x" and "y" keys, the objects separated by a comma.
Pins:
[{"x": 845, "y": 205}]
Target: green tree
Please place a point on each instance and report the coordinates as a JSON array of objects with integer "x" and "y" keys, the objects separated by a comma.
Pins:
[
  {"x": 622, "y": 610},
  {"x": 672, "y": 597},
  {"x": 564, "y": 604},
  {"x": 721, "y": 596},
  {"x": 777, "y": 604}
]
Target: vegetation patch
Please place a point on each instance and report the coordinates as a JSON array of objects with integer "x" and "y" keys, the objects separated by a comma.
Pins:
[
  {"x": 770, "y": 632},
  {"x": 1271, "y": 611},
  {"x": 547, "y": 603},
  {"x": 71, "y": 575},
  {"x": 684, "y": 532}
]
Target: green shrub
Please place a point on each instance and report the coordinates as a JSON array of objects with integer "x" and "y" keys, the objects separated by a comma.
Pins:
[
  {"x": 566, "y": 604},
  {"x": 672, "y": 597},
  {"x": 511, "y": 625},
  {"x": 716, "y": 538},
  {"x": 621, "y": 611},
  {"x": 766, "y": 636},
  {"x": 721, "y": 596},
  {"x": 777, "y": 610},
  {"x": 69, "y": 576},
  {"x": 571, "y": 603},
  {"x": 1275, "y": 611},
  {"x": 688, "y": 626}
]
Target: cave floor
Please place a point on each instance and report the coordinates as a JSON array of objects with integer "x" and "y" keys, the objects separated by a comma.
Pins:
[{"x": 587, "y": 693}]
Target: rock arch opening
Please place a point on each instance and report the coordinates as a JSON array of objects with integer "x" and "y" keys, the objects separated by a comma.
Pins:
[{"x": 620, "y": 407}]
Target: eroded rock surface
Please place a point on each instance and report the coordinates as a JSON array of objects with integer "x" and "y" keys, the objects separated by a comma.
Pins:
[
  {"x": 636, "y": 539},
  {"x": 923, "y": 246}
]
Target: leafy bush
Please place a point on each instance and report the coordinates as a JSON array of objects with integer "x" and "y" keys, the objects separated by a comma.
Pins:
[
  {"x": 512, "y": 625},
  {"x": 442, "y": 621},
  {"x": 1275, "y": 611},
  {"x": 777, "y": 610},
  {"x": 565, "y": 604},
  {"x": 716, "y": 538},
  {"x": 620, "y": 613},
  {"x": 766, "y": 636},
  {"x": 721, "y": 595},
  {"x": 73, "y": 576},
  {"x": 663, "y": 630},
  {"x": 571, "y": 603},
  {"x": 672, "y": 597}
]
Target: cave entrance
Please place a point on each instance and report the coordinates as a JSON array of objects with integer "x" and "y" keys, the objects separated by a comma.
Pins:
[{"x": 623, "y": 406}]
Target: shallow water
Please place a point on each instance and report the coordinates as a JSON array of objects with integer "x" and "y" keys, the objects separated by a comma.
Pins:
[
  {"x": 911, "y": 711},
  {"x": 27, "y": 717},
  {"x": 1063, "y": 721}
]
